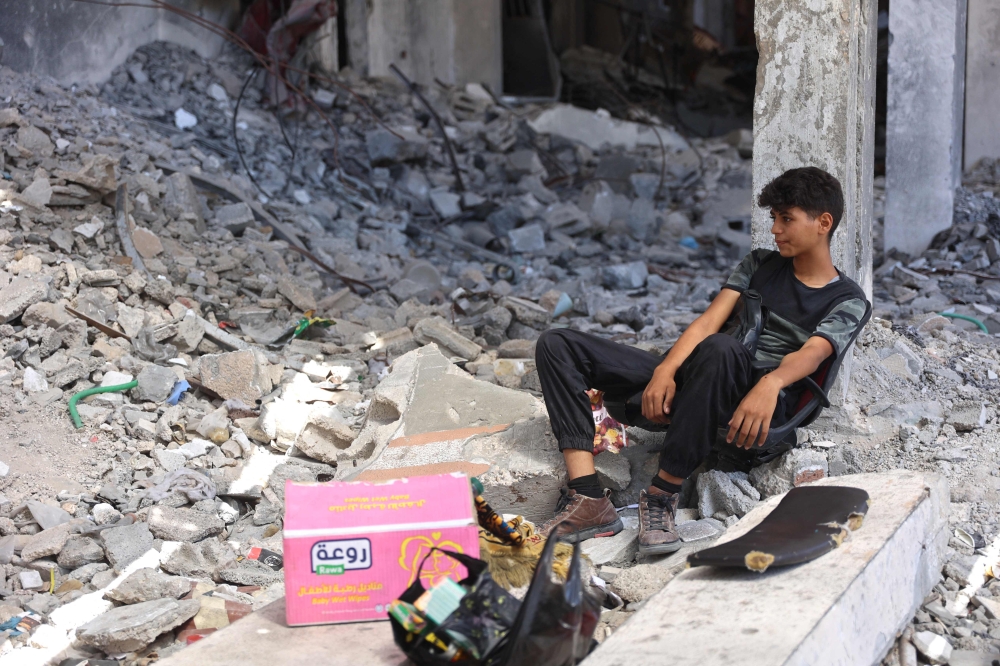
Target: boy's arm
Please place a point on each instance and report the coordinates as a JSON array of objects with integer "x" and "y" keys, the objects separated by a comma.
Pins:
[
  {"x": 659, "y": 392},
  {"x": 754, "y": 414}
]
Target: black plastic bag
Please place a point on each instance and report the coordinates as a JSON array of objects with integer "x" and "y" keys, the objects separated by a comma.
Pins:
[
  {"x": 556, "y": 623},
  {"x": 480, "y": 623}
]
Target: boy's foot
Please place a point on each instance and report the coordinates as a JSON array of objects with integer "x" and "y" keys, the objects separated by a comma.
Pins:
[
  {"x": 657, "y": 533},
  {"x": 583, "y": 517}
]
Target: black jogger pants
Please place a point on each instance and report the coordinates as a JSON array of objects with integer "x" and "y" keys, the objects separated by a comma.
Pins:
[{"x": 710, "y": 385}]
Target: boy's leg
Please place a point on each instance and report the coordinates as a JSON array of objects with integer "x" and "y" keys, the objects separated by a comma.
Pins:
[
  {"x": 569, "y": 363},
  {"x": 710, "y": 385}
]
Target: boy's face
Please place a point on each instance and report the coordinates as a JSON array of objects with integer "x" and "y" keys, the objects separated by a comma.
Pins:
[{"x": 796, "y": 231}]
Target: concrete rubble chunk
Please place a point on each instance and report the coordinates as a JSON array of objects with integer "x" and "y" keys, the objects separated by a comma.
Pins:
[
  {"x": 181, "y": 199},
  {"x": 625, "y": 276},
  {"x": 30, "y": 580},
  {"x": 935, "y": 647},
  {"x": 967, "y": 415},
  {"x": 124, "y": 545},
  {"x": 183, "y": 524},
  {"x": 429, "y": 416},
  {"x": 129, "y": 628},
  {"x": 718, "y": 493},
  {"x": 790, "y": 470},
  {"x": 385, "y": 148},
  {"x": 198, "y": 560},
  {"x": 597, "y": 129},
  {"x": 50, "y": 541},
  {"x": 618, "y": 549},
  {"x": 641, "y": 581},
  {"x": 613, "y": 470},
  {"x": 236, "y": 375},
  {"x": 436, "y": 330},
  {"x": 148, "y": 585},
  {"x": 80, "y": 551},
  {"x": 155, "y": 383},
  {"x": 17, "y": 296},
  {"x": 299, "y": 295},
  {"x": 529, "y": 238}
]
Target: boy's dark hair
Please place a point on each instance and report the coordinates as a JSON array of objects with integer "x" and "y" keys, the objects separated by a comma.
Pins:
[{"x": 812, "y": 189}]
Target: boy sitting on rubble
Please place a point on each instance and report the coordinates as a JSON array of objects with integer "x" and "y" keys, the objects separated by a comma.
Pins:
[{"x": 706, "y": 378}]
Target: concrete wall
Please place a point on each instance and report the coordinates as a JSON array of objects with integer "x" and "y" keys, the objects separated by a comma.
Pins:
[
  {"x": 982, "y": 82},
  {"x": 76, "y": 42},
  {"x": 924, "y": 117},
  {"x": 456, "y": 41}
]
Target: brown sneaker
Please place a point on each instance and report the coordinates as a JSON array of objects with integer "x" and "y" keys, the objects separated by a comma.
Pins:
[
  {"x": 584, "y": 517},
  {"x": 657, "y": 533}
]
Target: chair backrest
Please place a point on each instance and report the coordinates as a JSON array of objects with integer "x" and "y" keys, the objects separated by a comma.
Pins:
[{"x": 826, "y": 374}]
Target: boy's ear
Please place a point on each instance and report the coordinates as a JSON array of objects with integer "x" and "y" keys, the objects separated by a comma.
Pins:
[{"x": 825, "y": 221}]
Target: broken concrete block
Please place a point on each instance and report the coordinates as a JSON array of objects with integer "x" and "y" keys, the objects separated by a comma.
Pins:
[
  {"x": 80, "y": 551},
  {"x": 17, "y": 296},
  {"x": 147, "y": 585},
  {"x": 49, "y": 541},
  {"x": 529, "y": 238},
  {"x": 967, "y": 415},
  {"x": 237, "y": 375},
  {"x": 183, "y": 524},
  {"x": 641, "y": 581},
  {"x": 788, "y": 471},
  {"x": 129, "y": 628},
  {"x": 30, "y": 580},
  {"x": 147, "y": 244},
  {"x": 124, "y": 545},
  {"x": 613, "y": 470},
  {"x": 430, "y": 417},
  {"x": 618, "y": 549},
  {"x": 34, "y": 381},
  {"x": 197, "y": 560},
  {"x": 299, "y": 295},
  {"x": 155, "y": 383},
  {"x": 528, "y": 313},
  {"x": 935, "y": 647},
  {"x": 717, "y": 492},
  {"x": 38, "y": 142},
  {"x": 384, "y": 148},
  {"x": 325, "y": 434},
  {"x": 181, "y": 200},
  {"x": 625, "y": 276},
  {"x": 696, "y": 530},
  {"x": 437, "y": 330}
]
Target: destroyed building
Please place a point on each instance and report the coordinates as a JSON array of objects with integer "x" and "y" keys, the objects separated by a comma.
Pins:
[{"x": 317, "y": 241}]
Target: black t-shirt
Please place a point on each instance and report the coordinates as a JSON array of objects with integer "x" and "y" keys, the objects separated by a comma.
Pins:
[{"x": 798, "y": 312}]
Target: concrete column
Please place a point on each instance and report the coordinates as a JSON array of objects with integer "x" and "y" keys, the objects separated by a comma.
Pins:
[
  {"x": 815, "y": 106},
  {"x": 923, "y": 141},
  {"x": 456, "y": 41},
  {"x": 982, "y": 94}
]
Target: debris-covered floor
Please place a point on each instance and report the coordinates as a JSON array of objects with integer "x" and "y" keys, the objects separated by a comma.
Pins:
[{"x": 561, "y": 217}]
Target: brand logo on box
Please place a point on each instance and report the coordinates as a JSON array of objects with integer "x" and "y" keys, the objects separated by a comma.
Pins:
[{"x": 332, "y": 558}]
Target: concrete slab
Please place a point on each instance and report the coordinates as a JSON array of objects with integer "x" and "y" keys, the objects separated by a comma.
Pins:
[
  {"x": 263, "y": 639},
  {"x": 431, "y": 417},
  {"x": 843, "y": 608}
]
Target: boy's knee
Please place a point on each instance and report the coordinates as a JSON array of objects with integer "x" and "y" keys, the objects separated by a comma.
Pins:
[
  {"x": 720, "y": 343},
  {"x": 550, "y": 340}
]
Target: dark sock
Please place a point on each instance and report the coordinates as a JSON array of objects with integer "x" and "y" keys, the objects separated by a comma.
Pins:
[
  {"x": 664, "y": 485},
  {"x": 588, "y": 486}
]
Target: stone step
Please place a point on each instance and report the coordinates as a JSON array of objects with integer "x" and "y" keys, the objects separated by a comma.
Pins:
[
  {"x": 263, "y": 639},
  {"x": 843, "y": 608}
]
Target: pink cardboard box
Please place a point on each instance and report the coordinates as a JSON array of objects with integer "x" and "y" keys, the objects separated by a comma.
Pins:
[{"x": 351, "y": 548}]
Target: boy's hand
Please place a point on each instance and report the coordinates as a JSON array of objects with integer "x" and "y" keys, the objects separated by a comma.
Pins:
[
  {"x": 752, "y": 419},
  {"x": 658, "y": 395}
]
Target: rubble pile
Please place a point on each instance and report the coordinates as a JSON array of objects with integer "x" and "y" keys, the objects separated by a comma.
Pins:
[
  {"x": 134, "y": 260},
  {"x": 960, "y": 273},
  {"x": 249, "y": 327}
]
